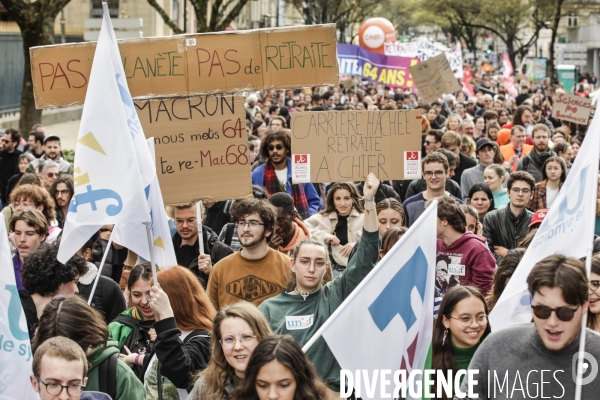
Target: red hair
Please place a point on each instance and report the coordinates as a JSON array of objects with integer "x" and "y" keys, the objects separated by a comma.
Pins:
[{"x": 191, "y": 306}]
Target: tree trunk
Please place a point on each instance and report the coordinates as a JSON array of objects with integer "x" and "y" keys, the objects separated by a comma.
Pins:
[
  {"x": 34, "y": 33},
  {"x": 555, "y": 22}
]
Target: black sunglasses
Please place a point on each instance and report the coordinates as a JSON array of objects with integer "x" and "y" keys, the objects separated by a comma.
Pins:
[
  {"x": 273, "y": 147},
  {"x": 563, "y": 313}
]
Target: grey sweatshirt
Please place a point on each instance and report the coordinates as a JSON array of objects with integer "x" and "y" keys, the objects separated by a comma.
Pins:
[
  {"x": 472, "y": 176},
  {"x": 514, "y": 364}
]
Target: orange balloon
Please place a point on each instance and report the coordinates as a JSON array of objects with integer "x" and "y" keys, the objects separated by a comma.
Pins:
[{"x": 374, "y": 32}]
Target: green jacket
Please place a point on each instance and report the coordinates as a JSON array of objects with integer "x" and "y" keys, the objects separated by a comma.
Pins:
[
  {"x": 129, "y": 386},
  {"x": 118, "y": 331},
  {"x": 292, "y": 315}
]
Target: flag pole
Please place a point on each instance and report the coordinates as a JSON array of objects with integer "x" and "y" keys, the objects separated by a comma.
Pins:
[
  {"x": 108, "y": 246},
  {"x": 199, "y": 219},
  {"x": 364, "y": 282},
  {"x": 151, "y": 248},
  {"x": 580, "y": 356}
]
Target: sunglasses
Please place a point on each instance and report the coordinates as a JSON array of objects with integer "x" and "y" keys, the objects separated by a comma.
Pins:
[
  {"x": 565, "y": 314},
  {"x": 273, "y": 147}
]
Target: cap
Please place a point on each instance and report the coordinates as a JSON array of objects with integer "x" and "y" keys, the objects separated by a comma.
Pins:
[
  {"x": 538, "y": 216},
  {"x": 481, "y": 143}
]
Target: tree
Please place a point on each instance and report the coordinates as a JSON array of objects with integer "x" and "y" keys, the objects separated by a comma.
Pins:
[
  {"x": 222, "y": 12},
  {"x": 36, "y": 21},
  {"x": 343, "y": 13}
]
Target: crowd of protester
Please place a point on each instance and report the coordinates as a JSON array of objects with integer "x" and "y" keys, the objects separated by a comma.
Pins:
[{"x": 217, "y": 326}]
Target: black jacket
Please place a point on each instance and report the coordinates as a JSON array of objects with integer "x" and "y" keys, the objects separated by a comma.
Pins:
[
  {"x": 108, "y": 298},
  {"x": 180, "y": 359},
  {"x": 218, "y": 215},
  {"x": 465, "y": 162},
  {"x": 9, "y": 166},
  {"x": 501, "y": 228},
  {"x": 187, "y": 256},
  {"x": 384, "y": 191}
]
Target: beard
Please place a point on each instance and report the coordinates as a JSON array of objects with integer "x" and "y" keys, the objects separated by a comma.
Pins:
[{"x": 252, "y": 241}]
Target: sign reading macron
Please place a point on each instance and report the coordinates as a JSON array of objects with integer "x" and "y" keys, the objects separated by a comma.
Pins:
[
  {"x": 185, "y": 65},
  {"x": 339, "y": 146},
  {"x": 201, "y": 146}
]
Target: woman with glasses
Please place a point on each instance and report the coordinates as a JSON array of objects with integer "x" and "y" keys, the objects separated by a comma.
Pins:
[
  {"x": 306, "y": 304},
  {"x": 340, "y": 224},
  {"x": 183, "y": 319},
  {"x": 278, "y": 369},
  {"x": 237, "y": 329},
  {"x": 133, "y": 328},
  {"x": 554, "y": 174},
  {"x": 71, "y": 317},
  {"x": 460, "y": 327},
  {"x": 593, "y": 321}
]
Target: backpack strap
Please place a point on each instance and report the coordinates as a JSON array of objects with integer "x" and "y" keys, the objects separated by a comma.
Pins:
[
  {"x": 107, "y": 375},
  {"x": 229, "y": 233},
  {"x": 195, "y": 334}
]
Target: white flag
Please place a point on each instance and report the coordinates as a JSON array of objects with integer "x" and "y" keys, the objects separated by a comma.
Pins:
[
  {"x": 392, "y": 307},
  {"x": 15, "y": 347},
  {"x": 133, "y": 236},
  {"x": 568, "y": 229},
  {"x": 108, "y": 185}
]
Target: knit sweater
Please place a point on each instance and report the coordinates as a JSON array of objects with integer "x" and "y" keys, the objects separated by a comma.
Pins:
[
  {"x": 513, "y": 363},
  {"x": 290, "y": 314},
  {"x": 236, "y": 278}
]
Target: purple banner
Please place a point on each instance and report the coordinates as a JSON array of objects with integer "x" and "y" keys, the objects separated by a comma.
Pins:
[{"x": 385, "y": 70}]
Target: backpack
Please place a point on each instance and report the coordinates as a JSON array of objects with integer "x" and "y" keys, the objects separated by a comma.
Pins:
[
  {"x": 229, "y": 233},
  {"x": 138, "y": 341},
  {"x": 107, "y": 375},
  {"x": 192, "y": 335}
]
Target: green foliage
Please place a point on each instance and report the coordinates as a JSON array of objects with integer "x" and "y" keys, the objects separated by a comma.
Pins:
[{"x": 69, "y": 155}]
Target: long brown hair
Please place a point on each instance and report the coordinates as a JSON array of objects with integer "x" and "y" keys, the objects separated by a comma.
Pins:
[
  {"x": 286, "y": 350},
  {"x": 71, "y": 317},
  {"x": 191, "y": 306},
  {"x": 218, "y": 371},
  {"x": 349, "y": 186},
  {"x": 443, "y": 352},
  {"x": 506, "y": 269}
]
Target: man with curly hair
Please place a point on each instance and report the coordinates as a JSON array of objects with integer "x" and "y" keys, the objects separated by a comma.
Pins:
[
  {"x": 44, "y": 277},
  {"x": 26, "y": 197},
  {"x": 256, "y": 272}
]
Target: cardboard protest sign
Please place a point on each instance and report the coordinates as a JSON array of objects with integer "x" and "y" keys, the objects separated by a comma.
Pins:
[
  {"x": 201, "y": 146},
  {"x": 572, "y": 108},
  {"x": 385, "y": 70},
  {"x": 424, "y": 49},
  {"x": 185, "y": 65},
  {"x": 339, "y": 146},
  {"x": 434, "y": 78}
]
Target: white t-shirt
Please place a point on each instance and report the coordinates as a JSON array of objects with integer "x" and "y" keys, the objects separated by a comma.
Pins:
[
  {"x": 550, "y": 196},
  {"x": 282, "y": 175}
]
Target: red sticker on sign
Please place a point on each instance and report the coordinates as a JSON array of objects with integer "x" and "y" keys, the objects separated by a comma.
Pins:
[
  {"x": 412, "y": 155},
  {"x": 300, "y": 159}
]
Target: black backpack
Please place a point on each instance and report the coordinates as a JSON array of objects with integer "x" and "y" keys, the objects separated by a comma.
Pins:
[
  {"x": 107, "y": 375},
  {"x": 138, "y": 340},
  {"x": 230, "y": 228}
]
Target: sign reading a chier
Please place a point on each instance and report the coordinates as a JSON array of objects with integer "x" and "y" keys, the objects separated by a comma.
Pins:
[{"x": 572, "y": 108}]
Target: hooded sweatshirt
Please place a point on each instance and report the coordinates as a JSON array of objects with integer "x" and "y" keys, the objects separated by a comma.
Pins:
[
  {"x": 302, "y": 233},
  {"x": 128, "y": 385},
  {"x": 467, "y": 261}
]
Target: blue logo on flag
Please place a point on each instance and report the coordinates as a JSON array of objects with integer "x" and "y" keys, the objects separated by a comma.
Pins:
[{"x": 395, "y": 297}]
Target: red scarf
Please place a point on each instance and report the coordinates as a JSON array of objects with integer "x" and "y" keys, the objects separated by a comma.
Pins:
[{"x": 271, "y": 183}]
